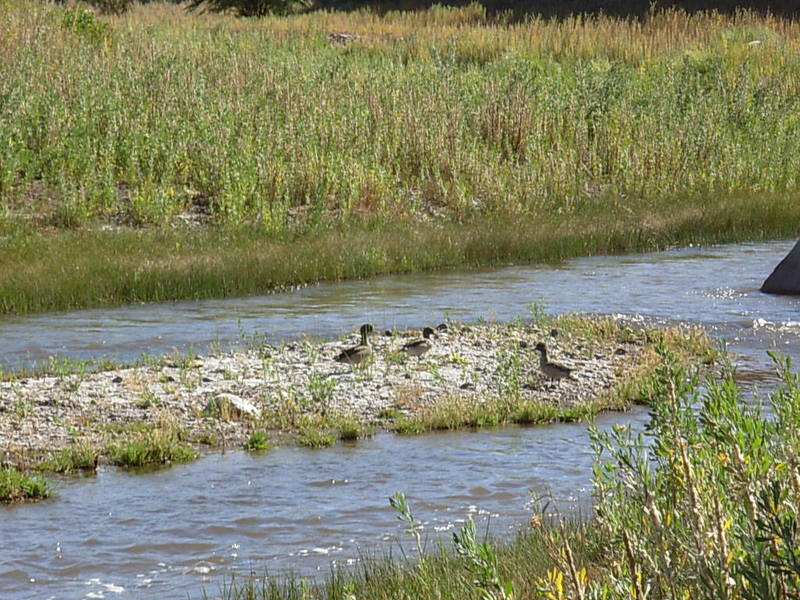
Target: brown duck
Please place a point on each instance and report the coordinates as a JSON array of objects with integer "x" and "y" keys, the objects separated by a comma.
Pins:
[
  {"x": 419, "y": 347},
  {"x": 358, "y": 353},
  {"x": 550, "y": 369}
]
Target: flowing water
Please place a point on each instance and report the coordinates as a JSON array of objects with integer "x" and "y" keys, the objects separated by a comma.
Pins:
[{"x": 169, "y": 533}]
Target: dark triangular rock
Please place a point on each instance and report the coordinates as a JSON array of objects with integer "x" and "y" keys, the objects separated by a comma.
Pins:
[{"x": 785, "y": 279}]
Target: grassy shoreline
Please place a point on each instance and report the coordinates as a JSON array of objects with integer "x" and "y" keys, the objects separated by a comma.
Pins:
[
  {"x": 82, "y": 269},
  {"x": 168, "y": 155}
]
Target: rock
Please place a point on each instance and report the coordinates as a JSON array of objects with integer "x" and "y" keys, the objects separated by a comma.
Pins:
[
  {"x": 785, "y": 279},
  {"x": 230, "y": 407},
  {"x": 117, "y": 379}
]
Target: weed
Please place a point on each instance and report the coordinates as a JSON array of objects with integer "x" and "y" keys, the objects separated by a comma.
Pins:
[
  {"x": 413, "y": 527},
  {"x": 311, "y": 437},
  {"x": 321, "y": 388},
  {"x": 78, "y": 456},
  {"x": 16, "y": 486},
  {"x": 150, "y": 446},
  {"x": 481, "y": 562},
  {"x": 257, "y": 442},
  {"x": 351, "y": 429}
]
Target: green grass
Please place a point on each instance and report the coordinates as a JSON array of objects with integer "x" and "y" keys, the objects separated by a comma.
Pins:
[
  {"x": 81, "y": 456},
  {"x": 257, "y": 442},
  {"x": 312, "y": 437},
  {"x": 436, "y": 138},
  {"x": 150, "y": 446},
  {"x": 457, "y": 413},
  {"x": 16, "y": 486}
]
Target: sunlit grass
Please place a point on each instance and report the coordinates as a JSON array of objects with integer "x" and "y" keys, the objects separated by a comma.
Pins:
[
  {"x": 16, "y": 486},
  {"x": 144, "y": 445},
  {"x": 433, "y": 138}
]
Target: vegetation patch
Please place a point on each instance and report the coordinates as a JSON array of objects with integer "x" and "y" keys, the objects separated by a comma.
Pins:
[
  {"x": 311, "y": 437},
  {"x": 16, "y": 486},
  {"x": 151, "y": 446},
  {"x": 79, "y": 456},
  {"x": 257, "y": 442}
]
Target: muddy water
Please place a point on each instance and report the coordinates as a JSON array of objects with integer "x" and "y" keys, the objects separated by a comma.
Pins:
[{"x": 169, "y": 533}]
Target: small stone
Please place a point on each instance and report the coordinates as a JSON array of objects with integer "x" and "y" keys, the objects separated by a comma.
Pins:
[
  {"x": 620, "y": 351},
  {"x": 554, "y": 333},
  {"x": 117, "y": 379}
]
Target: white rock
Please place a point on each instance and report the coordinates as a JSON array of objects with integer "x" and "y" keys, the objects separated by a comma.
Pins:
[{"x": 230, "y": 407}]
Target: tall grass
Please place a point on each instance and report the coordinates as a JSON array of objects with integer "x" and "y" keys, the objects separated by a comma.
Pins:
[{"x": 663, "y": 129}]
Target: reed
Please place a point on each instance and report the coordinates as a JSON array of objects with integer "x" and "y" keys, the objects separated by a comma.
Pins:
[{"x": 143, "y": 156}]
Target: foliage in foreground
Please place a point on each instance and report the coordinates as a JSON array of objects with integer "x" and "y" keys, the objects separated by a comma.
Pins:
[
  {"x": 16, "y": 486},
  {"x": 710, "y": 509},
  {"x": 705, "y": 504}
]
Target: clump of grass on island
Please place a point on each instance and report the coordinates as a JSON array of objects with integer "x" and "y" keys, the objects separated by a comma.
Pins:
[
  {"x": 704, "y": 505},
  {"x": 17, "y": 486},
  {"x": 433, "y": 138},
  {"x": 257, "y": 442},
  {"x": 79, "y": 456},
  {"x": 148, "y": 445}
]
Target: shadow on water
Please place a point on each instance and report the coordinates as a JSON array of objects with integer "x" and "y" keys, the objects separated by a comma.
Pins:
[{"x": 167, "y": 533}]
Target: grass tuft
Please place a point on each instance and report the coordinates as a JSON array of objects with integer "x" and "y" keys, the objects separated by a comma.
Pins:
[
  {"x": 150, "y": 446},
  {"x": 16, "y": 486},
  {"x": 80, "y": 456},
  {"x": 257, "y": 442}
]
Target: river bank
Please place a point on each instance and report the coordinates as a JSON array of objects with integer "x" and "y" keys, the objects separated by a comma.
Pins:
[{"x": 475, "y": 374}]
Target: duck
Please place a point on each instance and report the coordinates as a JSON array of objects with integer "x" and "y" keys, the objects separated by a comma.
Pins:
[
  {"x": 360, "y": 352},
  {"x": 550, "y": 369},
  {"x": 419, "y": 347}
]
